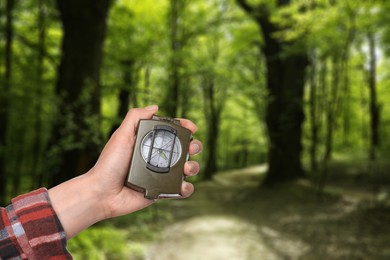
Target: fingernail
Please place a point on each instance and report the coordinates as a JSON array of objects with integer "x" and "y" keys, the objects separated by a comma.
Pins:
[
  {"x": 192, "y": 168},
  {"x": 152, "y": 108},
  {"x": 196, "y": 148}
]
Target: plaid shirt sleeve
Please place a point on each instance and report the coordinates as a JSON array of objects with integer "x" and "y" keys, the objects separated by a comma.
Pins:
[{"x": 30, "y": 229}]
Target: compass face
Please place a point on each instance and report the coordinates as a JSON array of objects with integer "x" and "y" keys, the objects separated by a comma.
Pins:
[
  {"x": 157, "y": 164},
  {"x": 161, "y": 149}
]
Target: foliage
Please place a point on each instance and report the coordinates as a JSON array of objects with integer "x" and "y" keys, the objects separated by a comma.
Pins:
[
  {"x": 221, "y": 43},
  {"x": 220, "y": 53},
  {"x": 99, "y": 243},
  {"x": 124, "y": 237}
]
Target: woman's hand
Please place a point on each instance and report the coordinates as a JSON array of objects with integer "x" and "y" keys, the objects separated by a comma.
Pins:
[{"x": 100, "y": 193}]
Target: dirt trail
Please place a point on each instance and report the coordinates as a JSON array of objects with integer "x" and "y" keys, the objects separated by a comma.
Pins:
[
  {"x": 206, "y": 230},
  {"x": 230, "y": 218}
]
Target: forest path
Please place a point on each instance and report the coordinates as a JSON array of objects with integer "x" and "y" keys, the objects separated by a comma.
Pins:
[
  {"x": 204, "y": 227},
  {"x": 230, "y": 218}
]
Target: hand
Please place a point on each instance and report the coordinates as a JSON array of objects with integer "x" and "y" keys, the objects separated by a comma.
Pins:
[
  {"x": 100, "y": 193},
  {"x": 113, "y": 165}
]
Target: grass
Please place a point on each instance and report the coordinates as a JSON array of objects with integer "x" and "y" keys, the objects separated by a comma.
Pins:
[{"x": 125, "y": 237}]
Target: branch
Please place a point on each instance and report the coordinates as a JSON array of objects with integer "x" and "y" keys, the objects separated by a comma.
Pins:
[
  {"x": 257, "y": 12},
  {"x": 34, "y": 46},
  {"x": 244, "y": 5}
]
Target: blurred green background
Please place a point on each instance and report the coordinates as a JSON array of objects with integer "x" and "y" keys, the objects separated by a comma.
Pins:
[{"x": 291, "y": 98}]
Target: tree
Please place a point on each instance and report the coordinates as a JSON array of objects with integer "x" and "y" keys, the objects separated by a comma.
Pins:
[
  {"x": 38, "y": 125},
  {"x": 171, "y": 101},
  {"x": 374, "y": 106},
  {"x": 314, "y": 118},
  {"x": 285, "y": 83},
  {"x": 131, "y": 39},
  {"x": 5, "y": 96},
  {"x": 214, "y": 102},
  {"x": 76, "y": 131}
]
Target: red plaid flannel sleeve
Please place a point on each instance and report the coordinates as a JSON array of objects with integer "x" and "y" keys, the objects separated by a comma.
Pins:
[{"x": 30, "y": 229}]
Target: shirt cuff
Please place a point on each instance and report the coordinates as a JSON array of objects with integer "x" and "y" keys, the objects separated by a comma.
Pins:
[{"x": 36, "y": 226}]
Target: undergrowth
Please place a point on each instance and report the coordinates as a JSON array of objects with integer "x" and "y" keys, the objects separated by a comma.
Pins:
[{"x": 124, "y": 237}]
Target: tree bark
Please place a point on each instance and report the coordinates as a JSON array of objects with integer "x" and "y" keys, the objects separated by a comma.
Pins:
[
  {"x": 314, "y": 122},
  {"x": 285, "y": 83},
  {"x": 171, "y": 101},
  {"x": 374, "y": 106},
  {"x": 284, "y": 116},
  {"x": 76, "y": 132},
  {"x": 4, "y": 98},
  {"x": 332, "y": 107},
  {"x": 213, "y": 110},
  {"x": 127, "y": 94},
  {"x": 214, "y": 100},
  {"x": 37, "y": 145},
  {"x": 147, "y": 75}
]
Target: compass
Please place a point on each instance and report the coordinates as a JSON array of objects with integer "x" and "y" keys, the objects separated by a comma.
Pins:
[
  {"x": 158, "y": 158},
  {"x": 161, "y": 148}
]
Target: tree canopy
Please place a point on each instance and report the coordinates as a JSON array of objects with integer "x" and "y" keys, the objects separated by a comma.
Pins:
[{"x": 288, "y": 83}]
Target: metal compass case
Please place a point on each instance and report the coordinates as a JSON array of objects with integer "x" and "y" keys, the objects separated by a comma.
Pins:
[{"x": 160, "y": 151}]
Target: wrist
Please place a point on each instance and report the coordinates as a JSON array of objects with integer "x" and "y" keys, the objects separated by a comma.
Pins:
[{"x": 77, "y": 204}]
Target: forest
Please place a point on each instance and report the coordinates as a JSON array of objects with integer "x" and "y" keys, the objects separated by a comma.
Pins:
[{"x": 291, "y": 98}]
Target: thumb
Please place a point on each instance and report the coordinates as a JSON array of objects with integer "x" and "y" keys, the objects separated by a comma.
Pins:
[
  {"x": 120, "y": 145},
  {"x": 132, "y": 118}
]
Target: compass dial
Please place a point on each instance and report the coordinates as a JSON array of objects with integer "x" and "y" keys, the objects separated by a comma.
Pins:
[{"x": 161, "y": 148}]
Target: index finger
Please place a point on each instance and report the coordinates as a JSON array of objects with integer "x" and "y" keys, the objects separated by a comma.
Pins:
[{"x": 188, "y": 124}]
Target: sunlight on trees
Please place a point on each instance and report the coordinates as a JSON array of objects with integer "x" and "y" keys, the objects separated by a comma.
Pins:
[
  {"x": 295, "y": 87},
  {"x": 222, "y": 76}
]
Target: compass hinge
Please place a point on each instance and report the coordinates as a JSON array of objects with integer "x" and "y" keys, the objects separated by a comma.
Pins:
[{"x": 168, "y": 119}]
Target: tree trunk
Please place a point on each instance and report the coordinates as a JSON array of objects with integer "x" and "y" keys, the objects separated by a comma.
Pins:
[
  {"x": 374, "y": 107},
  {"x": 37, "y": 145},
  {"x": 213, "y": 105},
  {"x": 16, "y": 168},
  {"x": 185, "y": 104},
  {"x": 314, "y": 125},
  {"x": 148, "y": 72},
  {"x": 285, "y": 83},
  {"x": 332, "y": 107},
  {"x": 76, "y": 132},
  {"x": 213, "y": 111},
  {"x": 171, "y": 101},
  {"x": 346, "y": 105},
  {"x": 127, "y": 94},
  {"x": 345, "y": 74},
  {"x": 284, "y": 116},
  {"x": 4, "y": 99}
]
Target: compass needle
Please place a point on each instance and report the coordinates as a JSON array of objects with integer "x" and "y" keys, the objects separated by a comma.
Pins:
[{"x": 163, "y": 155}]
